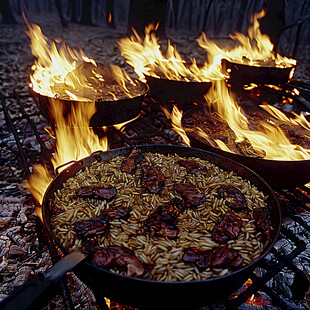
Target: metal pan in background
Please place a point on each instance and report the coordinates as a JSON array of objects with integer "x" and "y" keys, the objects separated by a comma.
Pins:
[
  {"x": 179, "y": 91},
  {"x": 146, "y": 294},
  {"x": 242, "y": 74},
  {"x": 278, "y": 173},
  {"x": 108, "y": 112}
]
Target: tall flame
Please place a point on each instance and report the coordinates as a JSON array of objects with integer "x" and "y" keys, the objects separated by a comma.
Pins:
[
  {"x": 146, "y": 57},
  {"x": 267, "y": 139},
  {"x": 74, "y": 140},
  {"x": 62, "y": 72},
  {"x": 255, "y": 49}
]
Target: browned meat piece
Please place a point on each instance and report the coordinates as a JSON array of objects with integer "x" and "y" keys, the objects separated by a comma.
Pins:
[
  {"x": 164, "y": 218},
  {"x": 228, "y": 228},
  {"x": 190, "y": 165},
  {"x": 118, "y": 212},
  {"x": 262, "y": 221},
  {"x": 192, "y": 196},
  {"x": 233, "y": 197},
  {"x": 152, "y": 178},
  {"x": 96, "y": 226},
  {"x": 130, "y": 163},
  {"x": 90, "y": 246},
  {"x": 96, "y": 192},
  {"x": 218, "y": 257},
  {"x": 169, "y": 231},
  {"x": 223, "y": 256},
  {"x": 198, "y": 257},
  {"x": 119, "y": 256}
]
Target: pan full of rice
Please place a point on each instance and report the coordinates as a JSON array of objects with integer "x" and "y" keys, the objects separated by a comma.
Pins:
[{"x": 161, "y": 220}]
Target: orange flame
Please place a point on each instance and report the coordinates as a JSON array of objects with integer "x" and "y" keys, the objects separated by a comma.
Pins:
[
  {"x": 175, "y": 118},
  {"x": 74, "y": 138},
  {"x": 61, "y": 72},
  {"x": 269, "y": 139},
  {"x": 146, "y": 57},
  {"x": 255, "y": 49}
]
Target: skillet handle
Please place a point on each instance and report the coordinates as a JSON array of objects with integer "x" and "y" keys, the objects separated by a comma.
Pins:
[
  {"x": 32, "y": 295},
  {"x": 64, "y": 165}
]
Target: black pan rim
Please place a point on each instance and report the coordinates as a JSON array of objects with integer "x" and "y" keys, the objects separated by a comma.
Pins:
[
  {"x": 271, "y": 196},
  {"x": 241, "y": 155}
]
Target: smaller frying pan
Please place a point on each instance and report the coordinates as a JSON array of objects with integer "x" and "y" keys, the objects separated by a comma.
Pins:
[
  {"x": 241, "y": 74},
  {"x": 179, "y": 91}
]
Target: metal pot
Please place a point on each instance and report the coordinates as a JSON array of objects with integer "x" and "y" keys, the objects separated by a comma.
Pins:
[
  {"x": 146, "y": 294},
  {"x": 242, "y": 74},
  {"x": 277, "y": 173},
  {"x": 109, "y": 112},
  {"x": 179, "y": 91}
]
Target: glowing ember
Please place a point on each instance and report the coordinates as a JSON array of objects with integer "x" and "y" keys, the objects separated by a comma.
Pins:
[
  {"x": 255, "y": 49},
  {"x": 60, "y": 72},
  {"x": 146, "y": 57},
  {"x": 267, "y": 139}
]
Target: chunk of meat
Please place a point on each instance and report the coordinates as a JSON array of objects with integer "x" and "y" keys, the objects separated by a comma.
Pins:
[
  {"x": 130, "y": 163},
  {"x": 223, "y": 256},
  {"x": 233, "y": 197},
  {"x": 96, "y": 192},
  {"x": 90, "y": 246},
  {"x": 228, "y": 228},
  {"x": 262, "y": 222},
  {"x": 218, "y": 257},
  {"x": 164, "y": 218},
  {"x": 96, "y": 226},
  {"x": 190, "y": 165},
  {"x": 197, "y": 257},
  {"x": 118, "y": 212},
  {"x": 119, "y": 256},
  {"x": 191, "y": 195},
  {"x": 152, "y": 179}
]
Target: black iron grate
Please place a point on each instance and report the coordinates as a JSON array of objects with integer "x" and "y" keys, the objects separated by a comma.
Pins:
[{"x": 31, "y": 143}]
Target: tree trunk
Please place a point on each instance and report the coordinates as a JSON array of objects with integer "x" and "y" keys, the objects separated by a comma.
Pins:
[
  {"x": 109, "y": 13},
  {"x": 86, "y": 18},
  {"x": 74, "y": 15},
  {"x": 273, "y": 22},
  {"x": 6, "y": 12},
  {"x": 60, "y": 13},
  {"x": 144, "y": 12}
]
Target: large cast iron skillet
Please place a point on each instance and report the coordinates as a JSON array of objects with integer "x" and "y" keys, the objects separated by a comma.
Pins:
[
  {"x": 278, "y": 173},
  {"x": 147, "y": 294},
  {"x": 109, "y": 112}
]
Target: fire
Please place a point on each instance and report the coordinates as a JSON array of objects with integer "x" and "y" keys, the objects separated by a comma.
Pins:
[
  {"x": 62, "y": 72},
  {"x": 146, "y": 57},
  {"x": 74, "y": 140},
  {"x": 255, "y": 49},
  {"x": 268, "y": 139},
  {"x": 175, "y": 118}
]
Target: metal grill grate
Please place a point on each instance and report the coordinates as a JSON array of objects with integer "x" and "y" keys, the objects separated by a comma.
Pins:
[{"x": 24, "y": 133}]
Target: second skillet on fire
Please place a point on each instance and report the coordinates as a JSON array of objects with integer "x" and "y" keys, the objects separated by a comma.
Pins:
[
  {"x": 117, "y": 97},
  {"x": 278, "y": 173}
]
